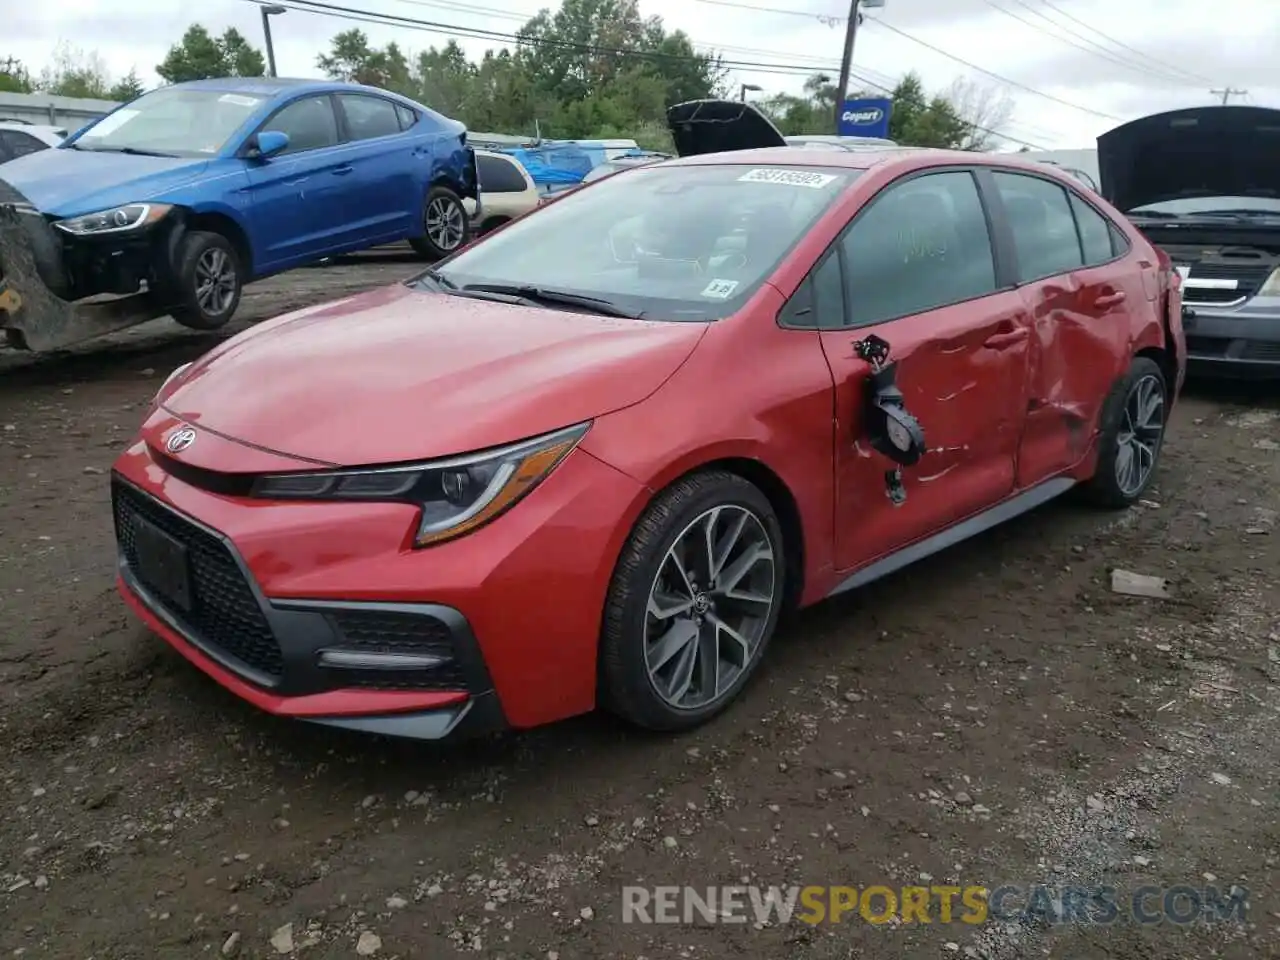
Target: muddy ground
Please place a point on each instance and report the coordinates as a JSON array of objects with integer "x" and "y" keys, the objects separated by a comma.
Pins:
[{"x": 995, "y": 715}]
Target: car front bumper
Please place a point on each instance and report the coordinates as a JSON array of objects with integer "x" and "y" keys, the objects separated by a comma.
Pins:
[
  {"x": 1242, "y": 342},
  {"x": 319, "y": 612}
]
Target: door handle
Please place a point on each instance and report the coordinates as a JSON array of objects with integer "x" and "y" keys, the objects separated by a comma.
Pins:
[
  {"x": 1001, "y": 341},
  {"x": 342, "y": 171},
  {"x": 1109, "y": 299}
]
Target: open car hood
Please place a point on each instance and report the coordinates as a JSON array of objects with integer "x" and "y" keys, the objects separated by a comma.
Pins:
[
  {"x": 716, "y": 126},
  {"x": 1197, "y": 152}
]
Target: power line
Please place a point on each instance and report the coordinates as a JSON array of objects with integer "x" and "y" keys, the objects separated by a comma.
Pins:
[
  {"x": 426, "y": 26},
  {"x": 826, "y": 20},
  {"x": 1228, "y": 93},
  {"x": 1093, "y": 48},
  {"x": 1124, "y": 46},
  {"x": 994, "y": 76},
  {"x": 826, "y": 64},
  {"x": 478, "y": 33}
]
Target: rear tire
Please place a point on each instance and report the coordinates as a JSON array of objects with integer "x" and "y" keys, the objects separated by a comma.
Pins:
[
  {"x": 446, "y": 226},
  {"x": 208, "y": 282},
  {"x": 685, "y": 627},
  {"x": 1132, "y": 436}
]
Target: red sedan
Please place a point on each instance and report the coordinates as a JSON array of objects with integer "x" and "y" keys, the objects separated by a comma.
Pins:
[{"x": 590, "y": 459}]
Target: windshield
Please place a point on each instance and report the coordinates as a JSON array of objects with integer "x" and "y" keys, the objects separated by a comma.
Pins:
[
  {"x": 1201, "y": 206},
  {"x": 172, "y": 121},
  {"x": 663, "y": 242}
]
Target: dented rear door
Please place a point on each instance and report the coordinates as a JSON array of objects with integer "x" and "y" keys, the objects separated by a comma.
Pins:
[{"x": 1079, "y": 282}]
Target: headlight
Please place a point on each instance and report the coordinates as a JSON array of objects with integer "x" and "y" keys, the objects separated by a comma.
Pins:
[
  {"x": 1272, "y": 287},
  {"x": 116, "y": 220},
  {"x": 456, "y": 495}
]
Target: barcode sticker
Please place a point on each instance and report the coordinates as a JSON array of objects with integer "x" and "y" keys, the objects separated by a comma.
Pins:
[{"x": 790, "y": 178}]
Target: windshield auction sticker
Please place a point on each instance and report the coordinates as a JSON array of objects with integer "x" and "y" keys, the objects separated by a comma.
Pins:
[{"x": 791, "y": 178}]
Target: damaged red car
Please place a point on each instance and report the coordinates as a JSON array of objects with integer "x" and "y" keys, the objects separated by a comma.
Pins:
[{"x": 592, "y": 458}]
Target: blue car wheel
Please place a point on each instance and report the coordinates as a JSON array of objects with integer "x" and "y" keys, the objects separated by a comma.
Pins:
[{"x": 446, "y": 226}]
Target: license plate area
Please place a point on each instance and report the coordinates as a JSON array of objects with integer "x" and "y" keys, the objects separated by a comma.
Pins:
[{"x": 162, "y": 563}]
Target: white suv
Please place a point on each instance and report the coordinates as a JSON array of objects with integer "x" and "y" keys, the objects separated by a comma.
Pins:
[{"x": 506, "y": 191}]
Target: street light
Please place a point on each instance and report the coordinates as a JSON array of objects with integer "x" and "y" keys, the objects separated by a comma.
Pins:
[
  {"x": 269, "y": 11},
  {"x": 753, "y": 88}
]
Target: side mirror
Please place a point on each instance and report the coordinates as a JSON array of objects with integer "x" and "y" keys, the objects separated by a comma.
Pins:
[
  {"x": 891, "y": 430},
  {"x": 268, "y": 143}
]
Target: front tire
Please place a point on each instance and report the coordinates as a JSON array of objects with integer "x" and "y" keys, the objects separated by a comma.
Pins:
[
  {"x": 693, "y": 604},
  {"x": 209, "y": 280},
  {"x": 1132, "y": 437},
  {"x": 446, "y": 226}
]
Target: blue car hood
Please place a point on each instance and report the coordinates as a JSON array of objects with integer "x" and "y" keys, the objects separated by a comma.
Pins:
[{"x": 67, "y": 183}]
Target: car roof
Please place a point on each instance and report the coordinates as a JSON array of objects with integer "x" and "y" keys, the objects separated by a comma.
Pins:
[
  {"x": 280, "y": 86},
  {"x": 905, "y": 158}
]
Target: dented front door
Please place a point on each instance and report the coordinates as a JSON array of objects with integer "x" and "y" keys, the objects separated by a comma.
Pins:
[{"x": 962, "y": 371}]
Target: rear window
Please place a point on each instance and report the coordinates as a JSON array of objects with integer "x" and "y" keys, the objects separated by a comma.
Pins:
[
  {"x": 671, "y": 242},
  {"x": 498, "y": 175}
]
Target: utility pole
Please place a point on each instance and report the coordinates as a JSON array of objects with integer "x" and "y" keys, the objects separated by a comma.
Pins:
[
  {"x": 269, "y": 11},
  {"x": 850, "y": 34},
  {"x": 1228, "y": 93}
]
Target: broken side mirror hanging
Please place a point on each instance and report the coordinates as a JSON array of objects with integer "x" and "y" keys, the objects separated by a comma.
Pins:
[{"x": 890, "y": 429}]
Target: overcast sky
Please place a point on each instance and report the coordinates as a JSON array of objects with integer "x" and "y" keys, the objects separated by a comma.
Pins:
[{"x": 1074, "y": 68}]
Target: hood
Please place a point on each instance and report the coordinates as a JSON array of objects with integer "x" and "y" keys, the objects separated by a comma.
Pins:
[
  {"x": 1198, "y": 152},
  {"x": 717, "y": 126},
  {"x": 396, "y": 375},
  {"x": 66, "y": 183}
]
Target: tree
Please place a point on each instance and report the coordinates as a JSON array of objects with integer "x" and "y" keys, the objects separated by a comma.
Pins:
[
  {"x": 986, "y": 109},
  {"x": 201, "y": 55},
  {"x": 966, "y": 117},
  {"x": 593, "y": 68},
  {"x": 351, "y": 59},
  {"x": 128, "y": 87},
  {"x": 75, "y": 73},
  {"x": 14, "y": 77}
]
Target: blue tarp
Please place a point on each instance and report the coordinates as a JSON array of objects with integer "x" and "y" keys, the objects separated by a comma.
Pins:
[{"x": 554, "y": 164}]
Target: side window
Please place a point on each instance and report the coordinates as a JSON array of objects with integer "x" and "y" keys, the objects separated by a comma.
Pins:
[
  {"x": 1119, "y": 242},
  {"x": 369, "y": 117},
  {"x": 310, "y": 124},
  {"x": 499, "y": 176},
  {"x": 819, "y": 301},
  {"x": 1044, "y": 231},
  {"x": 407, "y": 117},
  {"x": 1095, "y": 233},
  {"x": 19, "y": 144},
  {"x": 919, "y": 245}
]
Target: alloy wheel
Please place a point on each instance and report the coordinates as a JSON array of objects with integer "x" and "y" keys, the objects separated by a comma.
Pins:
[
  {"x": 709, "y": 607},
  {"x": 1141, "y": 430},
  {"x": 444, "y": 223},
  {"x": 216, "y": 281}
]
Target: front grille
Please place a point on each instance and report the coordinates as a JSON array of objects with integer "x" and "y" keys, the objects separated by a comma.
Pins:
[
  {"x": 1249, "y": 279},
  {"x": 224, "y": 613},
  {"x": 1261, "y": 350},
  {"x": 1207, "y": 346},
  {"x": 391, "y": 631}
]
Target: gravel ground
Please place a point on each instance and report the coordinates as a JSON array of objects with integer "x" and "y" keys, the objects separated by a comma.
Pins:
[{"x": 995, "y": 715}]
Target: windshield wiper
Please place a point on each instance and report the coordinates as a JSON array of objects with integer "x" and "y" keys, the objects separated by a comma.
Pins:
[
  {"x": 131, "y": 151},
  {"x": 542, "y": 295}
]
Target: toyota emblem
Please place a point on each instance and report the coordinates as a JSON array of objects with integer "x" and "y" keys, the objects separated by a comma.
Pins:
[{"x": 180, "y": 440}]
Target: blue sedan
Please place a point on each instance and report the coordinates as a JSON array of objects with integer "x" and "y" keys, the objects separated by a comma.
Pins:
[{"x": 195, "y": 189}]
